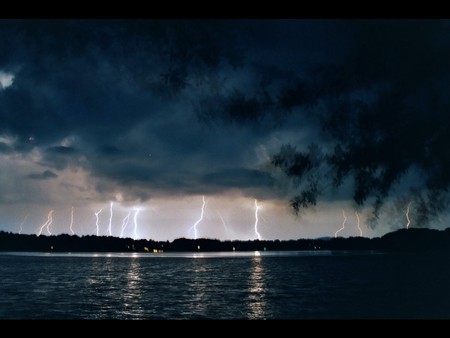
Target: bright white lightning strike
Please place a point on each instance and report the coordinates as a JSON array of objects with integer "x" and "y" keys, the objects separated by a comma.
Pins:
[
  {"x": 21, "y": 224},
  {"x": 110, "y": 218},
  {"x": 50, "y": 217},
  {"x": 96, "y": 220},
  {"x": 71, "y": 222},
  {"x": 194, "y": 227},
  {"x": 47, "y": 223},
  {"x": 125, "y": 223},
  {"x": 407, "y": 216},
  {"x": 135, "y": 223},
  {"x": 358, "y": 224},
  {"x": 256, "y": 219},
  {"x": 343, "y": 224}
]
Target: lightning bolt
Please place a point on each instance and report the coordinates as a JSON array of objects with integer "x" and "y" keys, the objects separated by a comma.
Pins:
[
  {"x": 135, "y": 222},
  {"x": 50, "y": 221},
  {"x": 71, "y": 222},
  {"x": 125, "y": 223},
  {"x": 358, "y": 224},
  {"x": 110, "y": 218},
  {"x": 21, "y": 224},
  {"x": 343, "y": 224},
  {"x": 223, "y": 223},
  {"x": 96, "y": 219},
  {"x": 194, "y": 227},
  {"x": 256, "y": 219},
  {"x": 47, "y": 223},
  {"x": 407, "y": 216}
]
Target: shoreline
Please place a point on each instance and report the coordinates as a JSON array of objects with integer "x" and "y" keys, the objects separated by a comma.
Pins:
[{"x": 413, "y": 239}]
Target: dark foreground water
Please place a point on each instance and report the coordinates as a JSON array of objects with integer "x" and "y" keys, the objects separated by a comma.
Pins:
[{"x": 266, "y": 285}]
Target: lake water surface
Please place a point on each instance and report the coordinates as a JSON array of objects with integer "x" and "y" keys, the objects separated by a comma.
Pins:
[{"x": 241, "y": 285}]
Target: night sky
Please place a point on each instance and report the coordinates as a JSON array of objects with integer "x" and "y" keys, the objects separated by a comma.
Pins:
[{"x": 309, "y": 120}]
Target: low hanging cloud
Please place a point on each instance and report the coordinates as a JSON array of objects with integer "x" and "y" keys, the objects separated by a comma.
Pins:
[
  {"x": 6, "y": 80},
  {"x": 45, "y": 175}
]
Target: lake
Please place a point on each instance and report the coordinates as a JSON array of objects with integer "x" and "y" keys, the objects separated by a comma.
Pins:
[{"x": 239, "y": 285}]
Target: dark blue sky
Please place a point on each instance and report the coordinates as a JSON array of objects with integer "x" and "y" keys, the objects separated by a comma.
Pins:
[{"x": 307, "y": 115}]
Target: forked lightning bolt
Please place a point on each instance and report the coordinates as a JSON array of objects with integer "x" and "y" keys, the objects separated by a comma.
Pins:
[
  {"x": 194, "y": 227},
  {"x": 343, "y": 224},
  {"x": 47, "y": 223},
  {"x": 358, "y": 224},
  {"x": 50, "y": 221},
  {"x": 256, "y": 219},
  {"x": 125, "y": 223},
  {"x": 96, "y": 220}
]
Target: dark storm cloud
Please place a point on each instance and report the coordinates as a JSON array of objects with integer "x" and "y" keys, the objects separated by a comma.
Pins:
[
  {"x": 5, "y": 148},
  {"x": 174, "y": 104},
  {"x": 386, "y": 112},
  {"x": 108, "y": 151},
  {"x": 88, "y": 73},
  {"x": 100, "y": 81},
  {"x": 236, "y": 107},
  {"x": 238, "y": 177},
  {"x": 45, "y": 175},
  {"x": 61, "y": 150},
  {"x": 60, "y": 157}
]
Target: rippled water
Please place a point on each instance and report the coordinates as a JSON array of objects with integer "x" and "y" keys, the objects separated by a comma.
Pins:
[{"x": 267, "y": 285}]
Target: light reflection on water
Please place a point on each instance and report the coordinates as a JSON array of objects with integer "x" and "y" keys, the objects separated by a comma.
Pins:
[
  {"x": 248, "y": 285},
  {"x": 257, "y": 288},
  {"x": 131, "y": 300}
]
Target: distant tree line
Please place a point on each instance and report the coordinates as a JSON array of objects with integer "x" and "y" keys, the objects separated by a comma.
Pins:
[{"x": 412, "y": 239}]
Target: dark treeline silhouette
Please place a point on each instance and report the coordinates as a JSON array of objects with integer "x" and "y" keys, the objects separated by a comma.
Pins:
[{"x": 413, "y": 239}]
